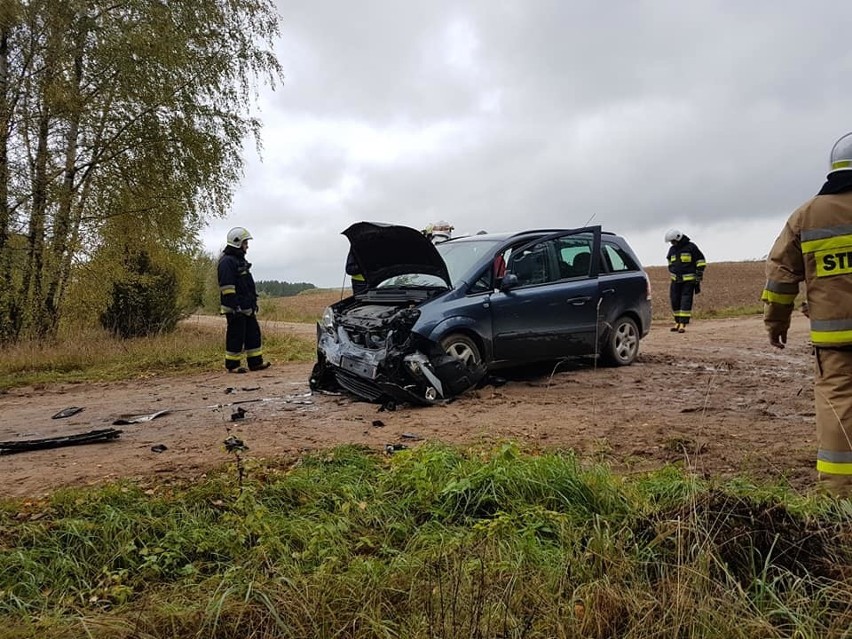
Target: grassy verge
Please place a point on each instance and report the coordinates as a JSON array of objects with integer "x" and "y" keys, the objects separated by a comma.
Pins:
[
  {"x": 96, "y": 356},
  {"x": 436, "y": 542}
]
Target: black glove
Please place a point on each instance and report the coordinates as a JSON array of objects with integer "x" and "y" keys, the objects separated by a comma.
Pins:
[{"x": 697, "y": 287}]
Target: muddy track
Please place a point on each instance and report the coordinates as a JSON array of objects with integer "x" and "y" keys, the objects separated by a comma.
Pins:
[{"x": 716, "y": 398}]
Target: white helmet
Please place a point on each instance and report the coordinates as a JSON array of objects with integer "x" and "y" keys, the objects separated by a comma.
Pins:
[
  {"x": 441, "y": 231},
  {"x": 841, "y": 154},
  {"x": 238, "y": 235},
  {"x": 673, "y": 235}
]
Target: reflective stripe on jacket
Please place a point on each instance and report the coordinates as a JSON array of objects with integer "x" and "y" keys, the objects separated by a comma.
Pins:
[
  {"x": 236, "y": 284},
  {"x": 685, "y": 261},
  {"x": 815, "y": 247}
]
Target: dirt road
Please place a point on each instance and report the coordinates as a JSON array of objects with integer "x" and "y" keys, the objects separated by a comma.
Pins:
[{"x": 717, "y": 398}]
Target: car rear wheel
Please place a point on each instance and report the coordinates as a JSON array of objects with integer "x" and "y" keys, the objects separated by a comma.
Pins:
[
  {"x": 463, "y": 348},
  {"x": 622, "y": 343}
]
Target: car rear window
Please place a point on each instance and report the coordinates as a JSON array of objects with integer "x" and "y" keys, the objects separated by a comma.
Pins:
[{"x": 617, "y": 259}]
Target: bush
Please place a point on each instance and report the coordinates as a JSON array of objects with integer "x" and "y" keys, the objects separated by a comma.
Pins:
[{"x": 144, "y": 301}]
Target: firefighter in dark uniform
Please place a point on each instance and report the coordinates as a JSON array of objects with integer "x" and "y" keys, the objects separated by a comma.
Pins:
[
  {"x": 686, "y": 267},
  {"x": 815, "y": 247},
  {"x": 238, "y": 300},
  {"x": 353, "y": 270}
]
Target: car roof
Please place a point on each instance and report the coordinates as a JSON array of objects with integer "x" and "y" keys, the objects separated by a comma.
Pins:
[{"x": 490, "y": 237}]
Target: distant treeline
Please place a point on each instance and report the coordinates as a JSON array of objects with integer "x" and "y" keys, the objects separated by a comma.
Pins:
[{"x": 274, "y": 288}]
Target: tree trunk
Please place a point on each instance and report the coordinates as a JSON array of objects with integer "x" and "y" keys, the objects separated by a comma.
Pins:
[
  {"x": 35, "y": 320},
  {"x": 5, "y": 119},
  {"x": 62, "y": 224},
  {"x": 8, "y": 328}
]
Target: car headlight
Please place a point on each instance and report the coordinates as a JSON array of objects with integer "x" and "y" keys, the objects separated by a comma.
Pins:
[{"x": 327, "y": 321}]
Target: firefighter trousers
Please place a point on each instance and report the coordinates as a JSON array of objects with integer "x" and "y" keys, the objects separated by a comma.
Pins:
[
  {"x": 681, "y": 294},
  {"x": 833, "y": 400},
  {"x": 242, "y": 334}
]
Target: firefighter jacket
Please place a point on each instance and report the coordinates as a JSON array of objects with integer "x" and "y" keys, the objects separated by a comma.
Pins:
[
  {"x": 353, "y": 269},
  {"x": 815, "y": 247},
  {"x": 686, "y": 261},
  {"x": 237, "y": 291}
]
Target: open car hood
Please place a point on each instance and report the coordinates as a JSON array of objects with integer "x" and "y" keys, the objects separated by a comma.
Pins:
[{"x": 386, "y": 250}]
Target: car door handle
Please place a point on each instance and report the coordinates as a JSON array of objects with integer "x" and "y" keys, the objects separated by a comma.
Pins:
[
  {"x": 579, "y": 301},
  {"x": 607, "y": 291}
]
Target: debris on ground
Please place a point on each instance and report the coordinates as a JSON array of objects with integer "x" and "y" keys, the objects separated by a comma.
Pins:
[
  {"x": 238, "y": 414},
  {"x": 378, "y": 423},
  {"x": 124, "y": 420},
  {"x": 390, "y": 449},
  {"x": 90, "y": 437},
  {"x": 234, "y": 444},
  {"x": 159, "y": 448},
  {"x": 67, "y": 412},
  {"x": 411, "y": 437}
]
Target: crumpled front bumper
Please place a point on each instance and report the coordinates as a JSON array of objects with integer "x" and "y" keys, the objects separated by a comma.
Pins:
[{"x": 416, "y": 370}]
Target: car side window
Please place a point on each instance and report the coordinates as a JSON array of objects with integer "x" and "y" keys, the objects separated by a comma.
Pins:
[
  {"x": 618, "y": 260},
  {"x": 574, "y": 256},
  {"x": 531, "y": 265},
  {"x": 482, "y": 284},
  {"x": 490, "y": 278}
]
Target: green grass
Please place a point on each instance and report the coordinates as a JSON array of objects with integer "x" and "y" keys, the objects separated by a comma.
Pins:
[
  {"x": 96, "y": 356},
  {"x": 437, "y": 542}
]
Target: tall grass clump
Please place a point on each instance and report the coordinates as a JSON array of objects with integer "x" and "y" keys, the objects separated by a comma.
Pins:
[
  {"x": 95, "y": 355},
  {"x": 436, "y": 542}
]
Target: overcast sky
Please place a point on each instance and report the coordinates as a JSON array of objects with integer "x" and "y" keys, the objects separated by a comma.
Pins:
[{"x": 716, "y": 118}]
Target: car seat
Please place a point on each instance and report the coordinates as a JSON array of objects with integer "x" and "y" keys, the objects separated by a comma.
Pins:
[
  {"x": 580, "y": 265},
  {"x": 529, "y": 268}
]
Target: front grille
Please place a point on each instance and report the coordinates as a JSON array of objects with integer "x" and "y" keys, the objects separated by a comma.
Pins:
[{"x": 358, "y": 385}]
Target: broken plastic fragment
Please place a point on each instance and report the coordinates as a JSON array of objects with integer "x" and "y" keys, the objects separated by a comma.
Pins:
[
  {"x": 232, "y": 444},
  {"x": 100, "y": 435},
  {"x": 67, "y": 412},
  {"x": 136, "y": 419}
]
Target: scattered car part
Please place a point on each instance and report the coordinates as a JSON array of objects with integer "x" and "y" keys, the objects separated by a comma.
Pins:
[
  {"x": 90, "y": 437},
  {"x": 67, "y": 412},
  {"x": 138, "y": 419},
  {"x": 238, "y": 414},
  {"x": 390, "y": 449},
  {"x": 234, "y": 445},
  {"x": 159, "y": 448}
]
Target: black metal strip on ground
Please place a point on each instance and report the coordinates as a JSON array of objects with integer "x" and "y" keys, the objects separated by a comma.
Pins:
[{"x": 91, "y": 437}]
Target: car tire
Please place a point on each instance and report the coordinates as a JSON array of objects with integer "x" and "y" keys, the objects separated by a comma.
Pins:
[
  {"x": 462, "y": 348},
  {"x": 622, "y": 343}
]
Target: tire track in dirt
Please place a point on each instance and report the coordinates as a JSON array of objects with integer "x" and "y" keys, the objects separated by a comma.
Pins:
[{"x": 717, "y": 398}]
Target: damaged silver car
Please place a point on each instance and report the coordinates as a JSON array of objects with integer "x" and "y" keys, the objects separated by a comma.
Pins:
[{"x": 435, "y": 319}]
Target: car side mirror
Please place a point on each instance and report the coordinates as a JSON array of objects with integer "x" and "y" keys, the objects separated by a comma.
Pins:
[{"x": 509, "y": 281}]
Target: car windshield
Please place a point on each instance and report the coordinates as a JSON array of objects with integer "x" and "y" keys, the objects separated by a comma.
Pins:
[{"x": 461, "y": 255}]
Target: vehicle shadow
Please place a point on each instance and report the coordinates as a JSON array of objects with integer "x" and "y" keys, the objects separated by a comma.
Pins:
[{"x": 538, "y": 372}]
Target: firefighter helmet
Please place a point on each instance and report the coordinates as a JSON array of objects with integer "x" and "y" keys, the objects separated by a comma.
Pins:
[
  {"x": 238, "y": 235},
  {"x": 841, "y": 154},
  {"x": 440, "y": 231},
  {"x": 673, "y": 235}
]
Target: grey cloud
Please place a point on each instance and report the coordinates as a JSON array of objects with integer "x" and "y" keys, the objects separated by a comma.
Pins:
[{"x": 636, "y": 113}]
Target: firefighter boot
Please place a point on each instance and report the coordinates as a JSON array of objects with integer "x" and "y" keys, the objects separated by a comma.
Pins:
[{"x": 676, "y": 328}]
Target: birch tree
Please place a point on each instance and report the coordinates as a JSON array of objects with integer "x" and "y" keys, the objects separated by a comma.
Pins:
[{"x": 121, "y": 121}]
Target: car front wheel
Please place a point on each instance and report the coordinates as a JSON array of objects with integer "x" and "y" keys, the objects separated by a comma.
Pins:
[
  {"x": 622, "y": 344},
  {"x": 462, "y": 348}
]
